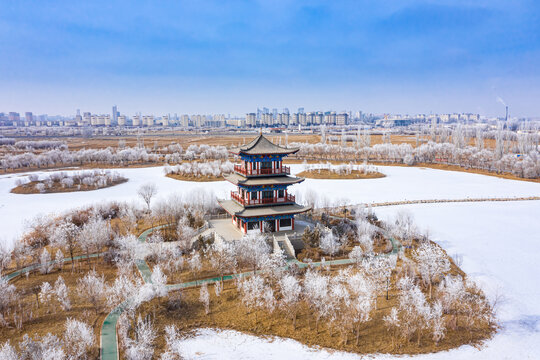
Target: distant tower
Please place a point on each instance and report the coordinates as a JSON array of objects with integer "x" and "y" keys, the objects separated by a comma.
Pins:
[
  {"x": 300, "y": 110},
  {"x": 506, "y": 117},
  {"x": 114, "y": 115},
  {"x": 78, "y": 112}
]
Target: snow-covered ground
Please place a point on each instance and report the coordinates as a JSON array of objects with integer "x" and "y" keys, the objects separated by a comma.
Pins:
[
  {"x": 498, "y": 242},
  {"x": 401, "y": 183}
]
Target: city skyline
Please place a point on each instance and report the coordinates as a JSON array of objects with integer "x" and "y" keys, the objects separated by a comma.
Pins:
[{"x": 407, "y": 58}]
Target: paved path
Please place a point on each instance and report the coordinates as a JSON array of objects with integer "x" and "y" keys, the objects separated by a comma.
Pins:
[
  {"x": 34, "y": 267},
  {"x": 109, "y": 338}
]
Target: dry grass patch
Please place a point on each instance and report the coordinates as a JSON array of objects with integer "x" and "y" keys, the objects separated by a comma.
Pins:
[
  {"x": 39, "y": 319},
  {"x": 197, "y": 178},
  {"x": 227, "y": 312},
  {"x": 327, "y": 174}
]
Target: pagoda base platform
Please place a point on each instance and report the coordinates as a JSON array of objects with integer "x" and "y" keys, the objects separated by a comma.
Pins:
[{"x": 229, "y": 232}]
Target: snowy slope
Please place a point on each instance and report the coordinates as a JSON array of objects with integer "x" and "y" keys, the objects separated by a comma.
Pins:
[{"x": 401, "y": 183}]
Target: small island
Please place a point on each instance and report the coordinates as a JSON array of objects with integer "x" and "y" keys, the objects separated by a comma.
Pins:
[
  {"x": 64, "y": 182},
  {"x": 199, "y": 171},
  {"x": 343, "y": 171}
]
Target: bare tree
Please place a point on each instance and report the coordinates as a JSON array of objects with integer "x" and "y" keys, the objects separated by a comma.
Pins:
[{"x": 147, "y": 192}]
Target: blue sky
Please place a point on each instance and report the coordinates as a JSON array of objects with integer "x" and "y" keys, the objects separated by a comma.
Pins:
[{"x": 232, "y": 56}]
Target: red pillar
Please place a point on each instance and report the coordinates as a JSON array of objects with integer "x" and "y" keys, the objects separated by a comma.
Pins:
[
  {"x": 277, "y": 224},
  {"x": 261, "y": 225},
  {"x": 292, "y": 223}
]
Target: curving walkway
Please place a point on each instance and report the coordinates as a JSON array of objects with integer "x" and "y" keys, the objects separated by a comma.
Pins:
[
  {"x": 109, "y": 337},
  {"x": 35, "y": 267}
]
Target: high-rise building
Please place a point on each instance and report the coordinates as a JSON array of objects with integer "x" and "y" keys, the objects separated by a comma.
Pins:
[
  {"x": 14, "y": 118},
  {"x": 148, "y": 120},
  {"x": 184, "y": 120},
  {"x": 251, "y": 119},
  {"x": 330, "y": 118},
  {"x": 114, "y": 115},
  {"x": 165, "y": 120},
  {"x": 28, "y": 117},
  {"x": 87, "y": 118},
  {"x": 137, "y": 120},
  {"x": 342, "y": 119},
  {"x": 122, "y": 120},
  {"x": 302, "y": 118},
  {"x": 267, "y": 119},
  {"x": 300, "y": 110},
  {"x": 283, "y": 119},
  {"x": 294, "y": 119}
]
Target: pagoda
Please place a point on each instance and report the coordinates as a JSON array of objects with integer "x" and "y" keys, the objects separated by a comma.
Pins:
[{"x": 261, "y": 202}]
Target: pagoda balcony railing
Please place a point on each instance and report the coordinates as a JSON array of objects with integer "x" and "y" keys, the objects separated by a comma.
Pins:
[
  {"x": 284, "y": 170},
  {"x": 264, "y": 201}
]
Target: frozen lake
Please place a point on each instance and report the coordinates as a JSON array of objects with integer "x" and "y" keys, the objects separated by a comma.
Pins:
[
  {"x": 497, "y": 240},
  {"x": 400, "y": 183}
]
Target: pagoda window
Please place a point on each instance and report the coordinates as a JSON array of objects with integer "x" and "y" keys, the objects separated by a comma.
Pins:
[
  {"x": 253, "y": 195},
  {"x": 266, "y": 165},
  {"x": 281, "y": 193},
  {"x": 268, "y": 194},
  {"x": 252, "y": 225},
  {"x": 283, "y": 223}
]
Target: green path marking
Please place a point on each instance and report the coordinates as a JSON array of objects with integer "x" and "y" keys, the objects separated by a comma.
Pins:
[{"x": 34, "y": 267}]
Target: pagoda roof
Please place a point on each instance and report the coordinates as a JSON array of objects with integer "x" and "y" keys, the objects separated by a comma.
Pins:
[
  {"x": 233, "y": 208},
  {"x": 260, "y": 146},
  {"x": 238, "y": 179}
]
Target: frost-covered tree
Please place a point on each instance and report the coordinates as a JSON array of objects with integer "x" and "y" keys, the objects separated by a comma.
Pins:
[
  {"x": 9, "y": 294},
  {"x": 391, "y": 321},
  {"x": 253, "y": 250},
  {"x": 8, "y": 352},
  {"x": 330, "y": 243},
  {"x": 290, "y": 289},
  {"x": 59, "y": 259},
  {"x": 414, "y": 312},
  {"x": 357, "y": 255},
  {"x": 122, "y": 289},
  {"x": 218, "y": 288},
  {"x": 195, "y": 263},
  {"x": 64, "y": 234},
  {"x": 141, "y": 347},
  {"x": 204, "y": 298},
  {"x": 78, "y": 339},
  {"x": 94, "y": 235},
  {"x": 45, "y": 263},
  {"x": 45, "y": 294},
  {"x": 362, "y": 292},
  {"x": 316, "y": 289},
  {"x": 62, "y": 294},
  {"x": 222, "y": 256},
  {"x": 159, "y": 282},
  {"x": 92, "y": 288},
  {"x": 432, "y": 263},
  {"x": 5, "y": 256}
]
